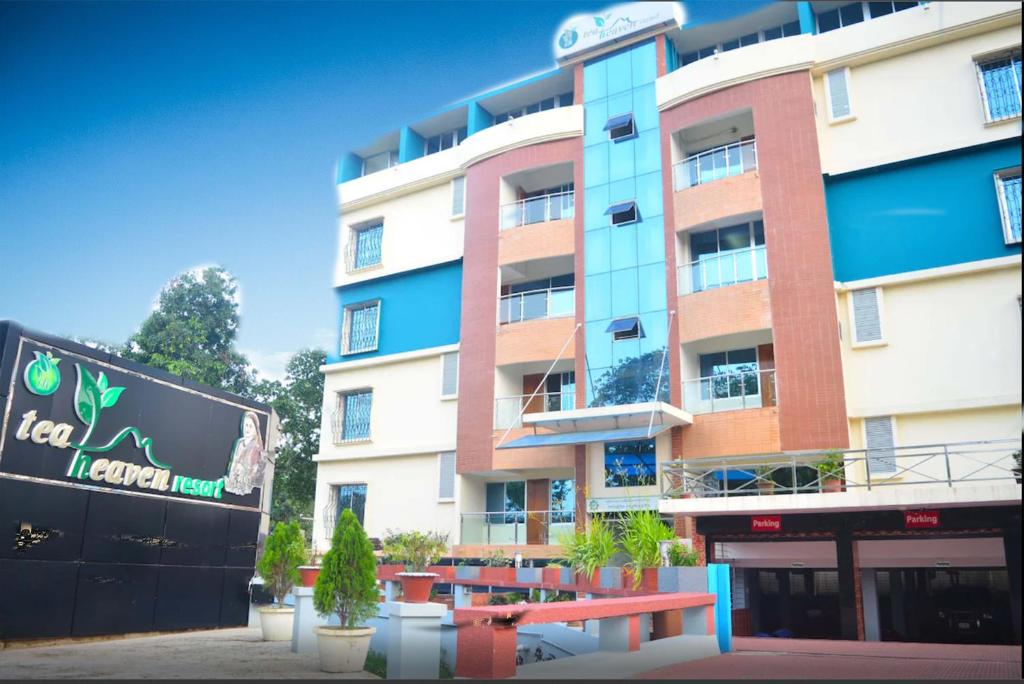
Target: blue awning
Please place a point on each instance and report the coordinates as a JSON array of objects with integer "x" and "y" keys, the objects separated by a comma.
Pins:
[
  {"x": 623, "y": 324},
  {"x": 734, "y": 475},
  {"x": 620, "y": 207},
  {"x": 568, "y": 438},
  {"x": 618, "y": 121}
]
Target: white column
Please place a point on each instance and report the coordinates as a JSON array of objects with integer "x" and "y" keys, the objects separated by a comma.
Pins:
[
  {"x": 306, "y": 621},
  {"x": 414, "y": 640}
]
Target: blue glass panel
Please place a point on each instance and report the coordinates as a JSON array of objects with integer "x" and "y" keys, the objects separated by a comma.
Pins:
[
  {"x": 650, "y": 242},
  {"x": 621, "y": 157},
  {"x": 595, "y": 115},
  {"x": 652, "y": 289},
  {"x": 630, "y": 464},
  {"x": 647, "y": 152},
  {"x": 599, "y": 346},
  {"x": 624, "y": 351},
  {"x": 645, "y": 108},
  {"x": 618, "y": 120},
  {"x": 620, "y": 207},
  {"x": 619, "y": 73},
  {"x": 595, "y": 81},
  {"x": 625, "y": 298},
  {"x": 596, "y": 251},
  {"x": 623, "y": 246},
  {"x": 621, "y": 325},
  {"x": 622, "y": 190},
  {"x": 598, "y": 294},
  {"x": 595, "y": 166},
  {"x": 645, "y": 64},
  {"x": 649, "y": 194}
]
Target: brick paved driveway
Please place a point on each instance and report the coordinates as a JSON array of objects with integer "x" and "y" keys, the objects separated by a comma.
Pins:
[{"x": 822, "y": 659}]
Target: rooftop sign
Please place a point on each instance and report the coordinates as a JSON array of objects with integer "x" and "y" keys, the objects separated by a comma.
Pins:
[{"x": 585, "y": 32}]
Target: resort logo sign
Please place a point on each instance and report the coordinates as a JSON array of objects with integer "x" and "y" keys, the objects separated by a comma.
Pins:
[
  {"x": 582, "y": 33},
  {"x": 92, "y": 458}
]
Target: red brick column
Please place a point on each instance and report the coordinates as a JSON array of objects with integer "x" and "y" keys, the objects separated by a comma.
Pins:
[{"x": 486, "y": 652}]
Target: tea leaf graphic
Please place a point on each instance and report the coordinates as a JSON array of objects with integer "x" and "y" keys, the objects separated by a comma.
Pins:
[
  {"x": 101, "y": 381},
  {"x": 88, "y": 401},
  {"x": 599, "y": 21},
  {"x": 41, "y": 375},
  {"x": 110, "y": 396}
]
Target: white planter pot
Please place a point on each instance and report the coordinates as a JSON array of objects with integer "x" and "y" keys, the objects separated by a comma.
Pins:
[
  {"x": 343, "y": 650},
  {"x": 277, "y": 623}
]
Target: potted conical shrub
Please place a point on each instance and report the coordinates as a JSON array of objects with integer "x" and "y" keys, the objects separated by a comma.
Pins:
[
  {"x": 416, "y": 550},
  {"x": 346, "y": 587},
  {"x": 283, "y": 553}
]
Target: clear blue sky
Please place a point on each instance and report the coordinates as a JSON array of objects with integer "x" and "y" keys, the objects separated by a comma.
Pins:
[{"x": 138, "y": 140}]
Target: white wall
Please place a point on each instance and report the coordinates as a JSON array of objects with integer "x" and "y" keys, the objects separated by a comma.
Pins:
[{"x": 408, "y": 415}]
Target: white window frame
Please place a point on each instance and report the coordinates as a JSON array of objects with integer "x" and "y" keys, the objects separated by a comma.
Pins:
[
  {"x": 353, "y": 245},
  {"x": 991, "y": 57},
  {"x": 457, "y": 362},
  {"x": 451, "y": 197},
  {"x": 1004, "y": 213},
  {"x": 346, "y": 327},
  {"x": 895, "y": 442},
  {"x": 832, "y": 118},
  {"x": 339, "y": 399},
  {"x": 455, "y": 478},
  {"x": 880, "y": 298}
]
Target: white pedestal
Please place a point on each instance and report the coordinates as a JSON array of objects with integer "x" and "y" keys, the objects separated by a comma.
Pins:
[
  {"x": 306, "y": 621},
  {"x": 414, "y": 640}
]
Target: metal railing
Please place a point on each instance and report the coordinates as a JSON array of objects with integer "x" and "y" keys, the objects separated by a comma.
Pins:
[
  {"x": 357, "y": 428},
  {"x": 808, "y": 472},
  {"x": 720, "y": 270},
  {"x": 553, "y": 302},
  {"x": 515, "y": 527},
  {"x": 719, "y": 162},
  {"x": 733, "y": 391},
  {"x": 558, "y": 205},
  {"x": 508, "y": 410},
  {"x": 364, "y": 248}
]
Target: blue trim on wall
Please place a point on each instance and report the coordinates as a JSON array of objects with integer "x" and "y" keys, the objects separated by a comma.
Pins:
[
  {"x": 720, "y": 584},
  {"x": 477, "y": 118},
  {"x": 349, "y": 167},
  {"x": 923, "y": 213},
  {"x": 806, "y": 15},
  {"x": 410, "y": 145},
  {"x": 418, "y": 309}
]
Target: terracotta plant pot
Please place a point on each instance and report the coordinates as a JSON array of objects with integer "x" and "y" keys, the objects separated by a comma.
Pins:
[
  {"x": 309, "y": 573},
  {"x": 416, "y": 586},
  {"x": 832, "y": 484}
]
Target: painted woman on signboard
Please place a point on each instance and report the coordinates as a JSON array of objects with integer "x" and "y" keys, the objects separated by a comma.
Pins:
[{"x": 245, "y": 469}]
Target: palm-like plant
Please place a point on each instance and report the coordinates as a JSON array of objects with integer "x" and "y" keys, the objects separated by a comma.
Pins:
[
  {"x": 642, "y": 534},
  {"x": 587, "y": 550}
]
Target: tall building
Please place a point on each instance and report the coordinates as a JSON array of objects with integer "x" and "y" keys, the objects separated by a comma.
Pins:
[{"x": 689, "y": 267}]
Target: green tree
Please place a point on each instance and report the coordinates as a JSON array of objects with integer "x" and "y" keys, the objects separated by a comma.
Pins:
[
  {"x": 298, "y": 402},
  {"x": 633, "y": 381},
  {"x": 193, "y": 330},
  {"x": 347, "y": 583},
  {"x": 283, "y": 553}
]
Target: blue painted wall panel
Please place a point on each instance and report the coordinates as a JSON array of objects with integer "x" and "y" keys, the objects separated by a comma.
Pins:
[
  {"x": 929, "y": 212},
  {"x": 419, "y": 309}
]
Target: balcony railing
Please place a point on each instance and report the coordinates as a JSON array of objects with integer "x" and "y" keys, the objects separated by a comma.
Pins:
[
  {"x": 516, "y": 527},
  {"x": 719, "y": 162},
  {"x": 507, "y": 410},
  {"x": 722, "y": 269},
  {"x": 730, "y": 391},
  {"x": 559, "y": 205},
  {"x": 355, "y": 429},
  {"x": 553, "y": 302},
  {"x": 944, "y": 465}
]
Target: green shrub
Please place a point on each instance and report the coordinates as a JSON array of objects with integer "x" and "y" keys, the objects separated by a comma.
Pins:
[
  {"x": 830, "y": 466},
  {"x": 642, "y": 534},
  {"x": 683, "y": 555},
  {"x": 283, "y": 553},
  {"x": 347, "y": 583},
  {"x": 415, "y": 550},
  {"x": 505, "y": 599},
  {"x": 586, "y": 551},
  {"x": 498, "y": 559},
  {"x": 558, "y": 596},
  {"x": 376, "y": 664}
]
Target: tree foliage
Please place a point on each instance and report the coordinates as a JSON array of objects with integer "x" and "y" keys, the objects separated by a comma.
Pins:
[
  {"x": 347, "y": 583},
  {"x": 283, "y": 553},
  {"x": 633, "y": 381},
  {"x": 415, "y": 550},
  {"x": 192, "y": 332},
  {"x": 642, "y": 534},
  {"x": 587, "y": 550}
]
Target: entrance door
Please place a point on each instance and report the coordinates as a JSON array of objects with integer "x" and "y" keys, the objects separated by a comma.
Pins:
[{"x": 800, "y": 604}]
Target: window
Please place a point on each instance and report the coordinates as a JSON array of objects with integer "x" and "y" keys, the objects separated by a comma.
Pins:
[
  {"x": 562, "y": 100},
  {"x": 459, "y": 196},
  {"x": 444, "y": 141},
  {"x": 867, "y": 317},
  {"x": 506, "y": 502},
  {"x": 837, "y": 92},
  {"x": 622, "y": 213},
  {"x": 880, "y": 9},
  {"x": 449, "y": 374},
  {"x": 365, "y": 246},
  {"x": 630, "y": 464},
  {"x": 726, "y": 256},
  {"x": 350, "y": 496},
  {"x": 1000, "y": 86},
  {"x": 1008, "y": 190},
  {"x": 724, "y": 375},
  {"x": 620, "y": 127},
  {"x": 446, "y": 476},
  {"x": 361, "y": 327},
  {"x": 847, "y": 15},
  {"x": 353, "y": 416},
  {"x": 562, "y": 501},
  {"x": 560, "y": 392},
  {"x": 380, "y": 161},
  {"x": 878, "y": 438},
  {"x": 625, "y": 329}
]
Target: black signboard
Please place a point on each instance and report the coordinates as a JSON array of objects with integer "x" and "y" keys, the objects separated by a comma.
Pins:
[{"x": 126, "y": 493}]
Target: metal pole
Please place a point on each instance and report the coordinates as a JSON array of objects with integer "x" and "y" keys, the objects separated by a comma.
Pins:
[
  {"x": 949, "y": 472},
  {"x": 661, "y": 370}
]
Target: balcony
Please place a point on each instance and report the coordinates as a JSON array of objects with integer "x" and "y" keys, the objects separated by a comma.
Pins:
[
  {"x": 508, "y": 411},
  {"x": 553, "y": 302},
  {"x": 516, "y": 527},
  {"x": 732, "y": 159},
  {"x": 734, "y": 391},
  {"x": 898, "y": 477},
  {"x": 723, "y": 269},
  {"x": 525, "y": 212}
]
